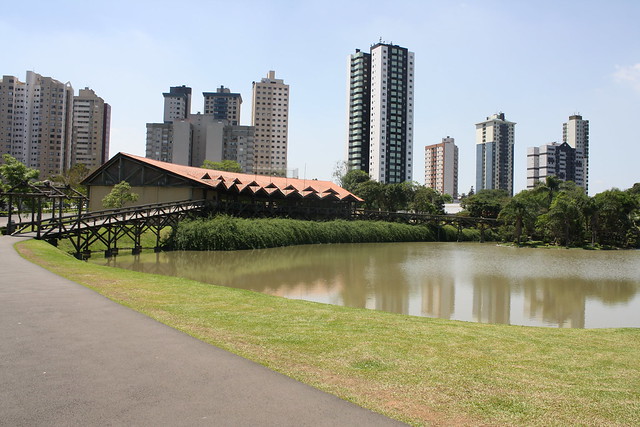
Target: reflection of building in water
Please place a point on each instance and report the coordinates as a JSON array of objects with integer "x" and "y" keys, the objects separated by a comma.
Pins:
[
  {"x": 438, "y": 295},
  {"x": 554, "y": 303},
  {"x": 491, "y": 300}
]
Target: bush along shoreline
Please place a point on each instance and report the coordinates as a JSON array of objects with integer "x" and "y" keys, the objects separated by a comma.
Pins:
[{"x": 227, "y": 233}]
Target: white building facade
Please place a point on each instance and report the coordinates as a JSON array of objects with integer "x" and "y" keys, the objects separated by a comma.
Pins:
[
  {"x": 386, "y": 77},
  {"x": 495, "y": 139},
  {"x": 270, "y": 118},
  {"x": 441, "y": 167},
  {"x": 36, "y": 122},
  {"x": 576, "y": 134},
  {"x": 91, "y": 127}
]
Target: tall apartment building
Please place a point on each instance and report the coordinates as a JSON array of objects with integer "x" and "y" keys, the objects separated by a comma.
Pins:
[
  {"x": 380, "y": 139},
  {"x": 553, "y": 159},
  {"x": 495, "y": 140},
  {"x": 177, "y": 103},
  {"x": 177, "y": 106},
  {"x": 36, "y": 121},
  {"x": 223, "y": 104},
  {"x": 190, "y": 139},
  {"x": 441, "y": 167},
  {"x": 568, "y": 161},
  {"x": 576, "y": 134},
  {"x": 91, "y": 129},
  {"x": 270, "y": 118},
  {"x": 359, "y": 110}
]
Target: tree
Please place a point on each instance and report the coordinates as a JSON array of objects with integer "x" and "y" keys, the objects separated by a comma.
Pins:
[
  {"x": 614, "y": 217},
  {"x": 427, "y": 200},
  {"x": 119, "y": 195},
  {"x": 353, "y": 178},
  {"x": 397, "y": 196},
  {"x": 225, "y": 165},
  {"x": 521, "y": 212},
  {"x": 372, "y": 192},
  {"x": 340, "y": 170},
  {"x": 565, "y": 223},
  {"x": 14, "y": 173},
  {"x": 74, "y": 176},
  {"x": 485, "y": 203}
]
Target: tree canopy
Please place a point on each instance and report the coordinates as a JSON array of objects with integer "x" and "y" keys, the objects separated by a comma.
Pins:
[
  {"x": 119, "y": 196},
  {"x": 225, "y": 165},
  {"x": 14, "y": 173}
]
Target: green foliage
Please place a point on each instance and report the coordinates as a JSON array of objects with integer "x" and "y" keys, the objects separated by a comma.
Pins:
[
  {"x": 614, "y": 216},
  {"x": 372, "y": 192},
  {"x": 522, "y": 211},
  {"x": 14, "y": 173},
  {"x": 427, "y": 200},
  {"x": 485, "y": 203},
  {"x": 352, "y": 179},
  {"x": 230, "y": 233},
  {"x": 225, "y": 165},
  {"x": 73, "y": 177},
  {"x": 119, "y": 195}
]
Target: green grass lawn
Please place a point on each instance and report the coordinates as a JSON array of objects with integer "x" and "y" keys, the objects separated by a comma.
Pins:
[{"x": 418, "y": 370}]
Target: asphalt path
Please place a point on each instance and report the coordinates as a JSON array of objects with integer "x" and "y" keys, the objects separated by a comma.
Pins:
[{"x": 69, "y": 356}]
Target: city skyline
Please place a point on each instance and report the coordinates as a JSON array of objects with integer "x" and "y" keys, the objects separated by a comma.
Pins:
[{"x": 539, "y": 63}]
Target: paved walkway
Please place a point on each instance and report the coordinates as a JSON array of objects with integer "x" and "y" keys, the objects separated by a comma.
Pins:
[{"x": 69, "y": 356}]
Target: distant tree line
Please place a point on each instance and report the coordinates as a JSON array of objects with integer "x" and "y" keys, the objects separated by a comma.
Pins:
[
  {"x": 406, "y": 196},
  {"x": 560, "y": 213},
  {"x": 555, "y": 212}
]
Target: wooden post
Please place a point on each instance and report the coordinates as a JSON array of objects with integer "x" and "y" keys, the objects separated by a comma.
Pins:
[
  {"x": 39, "y": 220},
  {"x": 9, "y": 222}
]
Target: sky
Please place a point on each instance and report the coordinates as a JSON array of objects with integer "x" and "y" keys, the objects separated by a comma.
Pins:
[{"x": 536, "y": 61}]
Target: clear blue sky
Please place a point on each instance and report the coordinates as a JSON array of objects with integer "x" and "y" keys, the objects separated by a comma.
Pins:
[{"x": 537, "y": 61}]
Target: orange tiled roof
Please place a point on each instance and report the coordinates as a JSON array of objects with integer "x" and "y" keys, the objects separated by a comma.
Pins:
[{"x": 255, "y": 184}]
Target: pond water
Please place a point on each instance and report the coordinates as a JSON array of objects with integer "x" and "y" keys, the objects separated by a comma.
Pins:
[{"x": 463, "y": 281}]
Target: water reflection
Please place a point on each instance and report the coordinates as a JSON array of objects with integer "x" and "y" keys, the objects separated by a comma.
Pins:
[{"x": 482, "y": 283}]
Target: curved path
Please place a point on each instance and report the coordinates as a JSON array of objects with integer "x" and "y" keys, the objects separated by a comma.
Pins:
[{"x": 69, "y": 356}]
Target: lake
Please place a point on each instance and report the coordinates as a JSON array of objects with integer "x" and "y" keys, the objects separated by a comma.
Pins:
[{"x": 464, "y": 281}]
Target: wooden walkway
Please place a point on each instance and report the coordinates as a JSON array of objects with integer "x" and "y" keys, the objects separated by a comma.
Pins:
[{"x": 108, "y": 226}]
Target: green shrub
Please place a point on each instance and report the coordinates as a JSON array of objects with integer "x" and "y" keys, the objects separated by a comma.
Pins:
[{"x": 229, "y": 233}]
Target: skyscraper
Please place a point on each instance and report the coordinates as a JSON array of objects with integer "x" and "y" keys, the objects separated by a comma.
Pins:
[
  {"x": 270, "y": 117},
  {"x": 359, "y": 110},
  {"x": 177, "y": 103},
  {"x": 380, "y": 140},
  {"x": 495, "y": 139},
  {"x": 441, "y": 167},
  {"x": 36, "y": 120},
  {"x": 568, "y": 161},
  {"x": 91, "y": 124},
  {"x": 223, "y": 105},
  {"x": 576, "y": 134}
]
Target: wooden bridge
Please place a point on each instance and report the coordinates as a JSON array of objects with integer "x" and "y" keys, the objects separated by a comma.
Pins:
[{"x": 108, "y": 226}]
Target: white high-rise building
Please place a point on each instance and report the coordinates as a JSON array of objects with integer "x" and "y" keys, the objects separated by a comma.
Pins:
[
  {"x": 441, "y": 167},
  {"x": 495, "y": 140},
  {"x": 36, "y": 122},
  {"x": 576, "y": 134},
  {"x": 381, "y": 86},
  {"x": 91, "y": 124},
  {"x": 270, "y": 118}
]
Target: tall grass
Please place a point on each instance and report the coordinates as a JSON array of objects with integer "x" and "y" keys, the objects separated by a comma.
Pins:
[{"x": 231, "y": 233}]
